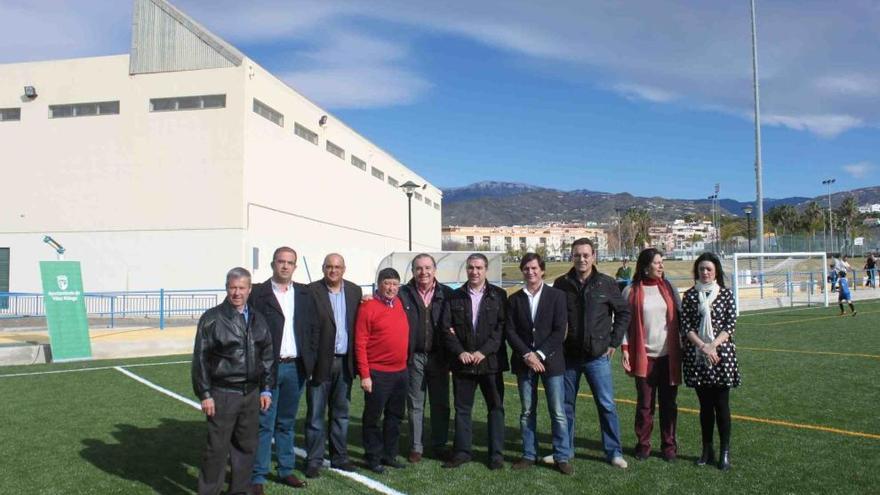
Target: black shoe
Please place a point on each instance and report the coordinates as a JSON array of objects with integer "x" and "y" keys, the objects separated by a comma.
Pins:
[
  {"x": 376, "y": 468},
  {"x": 313, "y": 471},
  {"x": 393, "y": 462},
  {"x": 724, "y": 462},
  {"x": 642, "y": 456},
  {"x": 708, "y": 455},
  {"x": 456, "y": 461},
  {"x": 496, "y": 464},
  {"x": 346, "y": 466}
]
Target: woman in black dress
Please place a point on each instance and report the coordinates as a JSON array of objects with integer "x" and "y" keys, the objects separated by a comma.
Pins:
[{"x": 708, "y": 321}]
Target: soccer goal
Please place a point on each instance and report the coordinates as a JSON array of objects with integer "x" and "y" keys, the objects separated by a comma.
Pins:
[{"x": 779, "y": 280}]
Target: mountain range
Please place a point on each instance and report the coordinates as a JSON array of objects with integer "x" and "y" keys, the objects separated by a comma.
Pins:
[{"x": 491, "y": 203}]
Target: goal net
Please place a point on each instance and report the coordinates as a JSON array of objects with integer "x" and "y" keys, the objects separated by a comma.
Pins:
[
  {"x": 451, "y": 266},
  {"x": 778, "y": 280}
]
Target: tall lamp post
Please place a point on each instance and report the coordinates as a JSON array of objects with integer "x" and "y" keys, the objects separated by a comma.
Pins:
[
  {"x": 714, "y": 199},
  {"x": 409, "y": 187},
  {"x": 828, "y": 182},
  {"x": 619, "y": 238},
  {"x": 748, "y": 211}
]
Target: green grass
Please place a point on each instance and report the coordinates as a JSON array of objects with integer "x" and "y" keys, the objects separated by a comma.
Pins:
[{"x": 101, "y": 432}]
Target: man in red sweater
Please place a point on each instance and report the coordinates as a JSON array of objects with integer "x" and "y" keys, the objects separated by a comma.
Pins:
[{"x": 381, "y": 345}]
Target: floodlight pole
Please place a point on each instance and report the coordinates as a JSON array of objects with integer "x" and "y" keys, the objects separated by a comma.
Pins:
[
  {"x": 758, "y": 170},
  {"x": 828, "y": 182}
]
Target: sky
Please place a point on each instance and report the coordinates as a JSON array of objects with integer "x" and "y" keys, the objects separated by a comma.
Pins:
[{"x": 650, "y": 97}]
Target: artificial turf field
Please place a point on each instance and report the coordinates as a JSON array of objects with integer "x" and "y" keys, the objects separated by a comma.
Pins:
[{"x": 805, "y": 421}]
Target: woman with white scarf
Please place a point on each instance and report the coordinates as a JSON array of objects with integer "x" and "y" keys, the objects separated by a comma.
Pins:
[{"x": 708, "y": 320}]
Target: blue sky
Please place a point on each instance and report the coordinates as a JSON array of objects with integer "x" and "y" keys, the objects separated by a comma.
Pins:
[{"x": 647, "y": 97}]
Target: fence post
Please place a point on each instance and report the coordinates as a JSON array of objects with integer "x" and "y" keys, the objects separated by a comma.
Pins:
[
  {"x": 161, "y": 309},
  {"x": 112, "y": 311}
]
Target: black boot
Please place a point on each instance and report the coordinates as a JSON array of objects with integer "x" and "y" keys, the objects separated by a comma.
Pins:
[
  {"x": 708, "y": 456},
  {"x": 724, "y": 462}
]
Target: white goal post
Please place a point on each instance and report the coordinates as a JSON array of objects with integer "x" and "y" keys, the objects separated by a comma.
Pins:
[{"x": 774, "y": 280}]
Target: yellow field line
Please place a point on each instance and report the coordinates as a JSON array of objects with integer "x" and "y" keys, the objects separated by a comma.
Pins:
[
  {"x": 802, "y": 320},
  {"x": 776, "y": 422},
  {"x": 828, "y": 353}
]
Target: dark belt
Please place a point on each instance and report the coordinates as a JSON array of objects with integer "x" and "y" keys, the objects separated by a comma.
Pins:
[
  {"x": 288, "y": 360},
  {"x": 340, "y": 355}
]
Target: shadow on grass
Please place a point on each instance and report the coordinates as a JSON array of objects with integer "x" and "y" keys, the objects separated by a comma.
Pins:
[{"x": 159, "y": 457}]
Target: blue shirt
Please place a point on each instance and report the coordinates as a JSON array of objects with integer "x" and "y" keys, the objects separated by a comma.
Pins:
[
  {"x": 844, "y": 288},
  {"x": 337, "y": 301}
]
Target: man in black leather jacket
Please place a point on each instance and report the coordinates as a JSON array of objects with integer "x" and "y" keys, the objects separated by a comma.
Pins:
[{"x": 233, "y": 374}]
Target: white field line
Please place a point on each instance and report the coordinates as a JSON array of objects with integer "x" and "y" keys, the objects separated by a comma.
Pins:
[
  {"x": 368, "y": 482},
  {"x": 90, "y": 369}
]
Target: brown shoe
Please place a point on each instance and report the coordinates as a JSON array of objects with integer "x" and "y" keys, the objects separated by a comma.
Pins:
[
  {"x": 257, "y": 489},
  {"x": 522, "y": 464},
  {"x": 414, "y": 457},
  {"x": 565, "y": 468},
  {"x": 293, "y": 481}
]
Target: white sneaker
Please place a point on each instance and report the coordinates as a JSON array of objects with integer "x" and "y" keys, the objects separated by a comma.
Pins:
[
  {"x": 619, "y": 462},
  {"x": 548, "y": 459}
]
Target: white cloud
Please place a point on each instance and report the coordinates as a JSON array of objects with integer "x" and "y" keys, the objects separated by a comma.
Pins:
[
  {"x": 827, "y": 126},
  {"x": 859, "y": 170},
  {"x": 358, "y": 87},
  {"x": 647, "y": 93},
  {"x": 849, "y": 84}
]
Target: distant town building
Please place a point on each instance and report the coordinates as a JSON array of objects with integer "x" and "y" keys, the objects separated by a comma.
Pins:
[
  {"x": 682, "y": 239},
  {"x": 555, "y": 238},
  {"x": 871, "y": 208}
]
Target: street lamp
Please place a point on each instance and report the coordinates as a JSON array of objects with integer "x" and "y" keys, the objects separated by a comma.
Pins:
[
  {"x": 714, "y": 199},
  {"x": 828, "y": 182},
  {"x": 748, "y": 211},
  {"x": 59, "y": 249},
  {"x": 409, "y": 187}
]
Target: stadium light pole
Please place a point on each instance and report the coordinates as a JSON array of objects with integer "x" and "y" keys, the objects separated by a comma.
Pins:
[
  {"x": 619, "y": 239},
  {"x": 758, "y": 170},
  {"x": 409, "y": 187},
  {"x": 828, "y": 182}
]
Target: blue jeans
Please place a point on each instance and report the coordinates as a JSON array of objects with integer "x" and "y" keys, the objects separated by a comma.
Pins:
[
  {"x": 279, "y": 422},
  {"x": 528, "y": 394},
  {"x": 598, "y": 373}
]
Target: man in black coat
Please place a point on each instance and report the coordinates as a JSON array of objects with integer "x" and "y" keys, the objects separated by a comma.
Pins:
[
  {"x": 598, "y": 317},
  {"x": 475, "y": 318},
  {"x": 428, "y": 364},
  {"x": 290, "y": 310},
  {"x": 233, "y": 376},
  {"x": 330, "y": 387},
  {"x": 536, "y": 322}
]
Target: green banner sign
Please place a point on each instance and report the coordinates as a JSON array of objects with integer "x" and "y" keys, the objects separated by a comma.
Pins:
[{"x": 65, "y": 310}]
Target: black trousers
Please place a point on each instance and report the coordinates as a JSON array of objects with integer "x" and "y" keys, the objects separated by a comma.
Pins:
[
  {"x": 387, "y": 400},
  {"x": 232, "y": 436},
  {"x": 715, "y": 407},
  {"x": 464, "y": 389},
  {"x": 332, "y": 398}
]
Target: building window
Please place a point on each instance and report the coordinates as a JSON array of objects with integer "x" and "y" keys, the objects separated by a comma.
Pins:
[
  {"x": 393, "y": 182},
  {"x": 436, "y": 205},
  {"x": 427, "y": 201},
  {"x": 305, "y": 133},
  {"x": 487, "y": 241},
  {"x": 187, "y": 103},
  {"x": 268, "y": 112},
  {"x": 470, "y": 240},
  {"x": 418, "y": 196},
  {"x": 336, "y": 150},
  {"x": 84, "y": 109},
  {"x": 357, "y": 162},
  {"x": 378, "y": 173},
  {"x": 10, "y": 114}
]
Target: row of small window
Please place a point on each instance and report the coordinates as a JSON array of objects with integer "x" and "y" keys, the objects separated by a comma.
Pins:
[
  {"x": 92, "y": 109},
  {"x": 311, "y": 136}
]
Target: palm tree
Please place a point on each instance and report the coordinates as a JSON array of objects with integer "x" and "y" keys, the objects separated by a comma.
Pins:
[
  {"x": 636, "y": 226},
  {"x": 811, "y": 219},
  {"x": 846, "y": 214}
]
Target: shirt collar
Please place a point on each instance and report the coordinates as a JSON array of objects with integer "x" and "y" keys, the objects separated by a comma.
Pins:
[
  {"x": 475, "y": 292},
  {"x": 384, "y": 300},
  {"x": 277, "y": 287}
]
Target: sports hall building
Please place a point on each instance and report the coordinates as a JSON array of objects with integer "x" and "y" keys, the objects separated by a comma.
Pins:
[{"x": 164, "y": 167}]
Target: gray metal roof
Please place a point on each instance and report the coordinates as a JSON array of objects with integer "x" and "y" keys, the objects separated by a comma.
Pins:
[{"x": 164, "y": 39}]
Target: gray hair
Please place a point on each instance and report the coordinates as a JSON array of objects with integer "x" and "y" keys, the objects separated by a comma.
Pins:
[
  {"x": 420, "y": 256},
  {"x": 478, "y": 256},
  {"x": 237, "y": 273}
]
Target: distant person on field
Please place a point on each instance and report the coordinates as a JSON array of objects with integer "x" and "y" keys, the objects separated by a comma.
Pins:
[
  {"x": 329, "y": 390},
  {"x": 708, "y": 322},
  {"x": 382, "y": 347},
  {"x": 652, "y": 353},
  {"x": 474, "y": 318},
  {"x": 233, "y": 373},
  {"x": 536, "y": 320},
  {"x": 624, "y": 274},
  {"x": 844, "y": 295},
  {"x": 871, "y": 270},
  {"x": 289, "y": 309},
  {"x": 597, "y": 320},
  {"x": 428, "y": 364}
]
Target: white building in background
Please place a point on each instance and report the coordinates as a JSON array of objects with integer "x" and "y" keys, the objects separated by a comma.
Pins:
[
  {"x": 556, "y": 238},
  {"x": 167, "y": 166},
  {"x": 682, "y": 239},
  {"x": 871, "y": 208}
]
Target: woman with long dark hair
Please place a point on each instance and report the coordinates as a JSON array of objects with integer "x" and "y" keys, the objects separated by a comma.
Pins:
[
  {"x": 652, "y": 352},
  {"x": 708, "y": 320}
]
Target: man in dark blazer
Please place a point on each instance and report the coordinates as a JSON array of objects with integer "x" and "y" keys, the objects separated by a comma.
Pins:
[
  {"x": 474, "y": 319},
  {"x": 428, "y": 364},
  {"x": 289, "y": 308},
  {"x": 536, "y": 322},
  {"x": 330, "y": 387}
]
